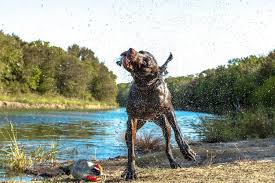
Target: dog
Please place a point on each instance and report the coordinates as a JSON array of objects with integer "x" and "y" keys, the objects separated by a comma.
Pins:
[{"x": 150, "y": 100}]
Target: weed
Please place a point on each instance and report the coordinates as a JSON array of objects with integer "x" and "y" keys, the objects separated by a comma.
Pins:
[
  {"x": 17, "y": 159},
  {"x": 148, "y": 143}
]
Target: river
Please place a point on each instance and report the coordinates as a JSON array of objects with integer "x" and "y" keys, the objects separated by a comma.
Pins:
[{"x": 87, "y": 135}]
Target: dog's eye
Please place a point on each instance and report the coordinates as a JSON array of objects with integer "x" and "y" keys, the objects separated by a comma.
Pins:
[{"x": 146, "y": 61}]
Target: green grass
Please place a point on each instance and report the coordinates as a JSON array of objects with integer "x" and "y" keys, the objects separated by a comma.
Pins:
[{"x": 34, "y": 99}]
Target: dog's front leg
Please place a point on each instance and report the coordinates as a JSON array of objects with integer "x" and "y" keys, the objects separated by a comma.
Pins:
[{"x": 130, "y": 138}]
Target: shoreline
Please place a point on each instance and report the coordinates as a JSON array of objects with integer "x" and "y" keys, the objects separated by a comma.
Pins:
[
  {"x": 243, "y": 159},
  {"x": 13, "y": 105}
]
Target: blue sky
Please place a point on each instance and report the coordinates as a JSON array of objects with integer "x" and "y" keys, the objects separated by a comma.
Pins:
[{"x": 200, "y": 33}]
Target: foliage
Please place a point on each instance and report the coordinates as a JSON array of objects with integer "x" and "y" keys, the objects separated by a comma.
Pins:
[
  {"x": 103, "y": 86},
  {"x": 251, "y": 124},
  {"x": 39, "y": 68},
  {"x": 123, "y": 91},
  {"x": 265, "y": 94},
  {"x": 148, "y": 143}
]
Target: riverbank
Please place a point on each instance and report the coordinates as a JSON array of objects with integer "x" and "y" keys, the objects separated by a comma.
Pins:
[
  {"x": 31, "y": 101},
  {"x": 243, "y": 161}
]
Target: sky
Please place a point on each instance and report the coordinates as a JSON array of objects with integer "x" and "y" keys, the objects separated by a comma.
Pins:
[{"x": 201, "y": 34}]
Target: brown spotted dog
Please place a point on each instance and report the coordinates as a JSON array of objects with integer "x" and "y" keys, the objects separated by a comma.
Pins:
[{"x": 149, "y": 100}]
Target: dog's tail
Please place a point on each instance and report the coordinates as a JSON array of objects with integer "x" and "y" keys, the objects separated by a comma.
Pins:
[{"x": 163, "y": 69}]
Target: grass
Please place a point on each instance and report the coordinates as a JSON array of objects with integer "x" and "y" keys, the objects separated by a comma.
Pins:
[
  {"x": 16, "y": 159},
  {"x": 34, "y": 99}
]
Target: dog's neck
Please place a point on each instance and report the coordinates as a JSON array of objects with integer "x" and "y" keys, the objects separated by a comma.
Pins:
[{"x": 148, "y": 83}]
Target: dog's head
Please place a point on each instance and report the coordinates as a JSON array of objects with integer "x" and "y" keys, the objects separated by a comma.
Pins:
[{"x": 140, "y": 63}]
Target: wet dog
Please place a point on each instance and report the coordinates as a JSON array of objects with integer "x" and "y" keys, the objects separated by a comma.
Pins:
[{"x": 149, "y": 100}]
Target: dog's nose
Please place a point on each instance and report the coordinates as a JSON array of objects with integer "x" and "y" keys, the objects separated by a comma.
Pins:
[{"x": 131, "y": 51}]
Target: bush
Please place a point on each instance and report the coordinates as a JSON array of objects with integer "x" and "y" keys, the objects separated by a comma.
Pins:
[
  {"x": 148, "y": 143},
  {"x": 251, "y": 124},
  {"x": 216, "y": 130}
]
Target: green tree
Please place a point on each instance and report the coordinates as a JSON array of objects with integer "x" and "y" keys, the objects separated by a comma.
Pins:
[
  {"x": 123, "y": 92},
  {"x": 11, "y": 62},
  {"x": 103, "y": 87}
]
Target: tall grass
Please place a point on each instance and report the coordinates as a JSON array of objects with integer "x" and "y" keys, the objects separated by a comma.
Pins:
[
  {"x": 251, "y": 124},
  {"x": 17, "y": 159}
]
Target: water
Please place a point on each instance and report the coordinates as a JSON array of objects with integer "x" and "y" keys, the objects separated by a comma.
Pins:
[{"x": 83, "y": 134}]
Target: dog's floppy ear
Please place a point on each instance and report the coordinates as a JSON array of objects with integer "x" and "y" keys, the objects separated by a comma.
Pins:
[{"x": 163, "y": 68}]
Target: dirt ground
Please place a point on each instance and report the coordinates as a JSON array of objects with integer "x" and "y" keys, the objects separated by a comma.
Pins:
[{"x": 244, "y": 161}]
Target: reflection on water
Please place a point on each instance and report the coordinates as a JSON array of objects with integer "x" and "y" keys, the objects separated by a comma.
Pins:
[
  {"x": 82, "y": 134},
  {"x": 35, "y": 131}
]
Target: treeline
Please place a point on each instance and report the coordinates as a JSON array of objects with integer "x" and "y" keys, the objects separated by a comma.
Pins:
[
  {"x": 37, "y": 67},
  {"x": 242, "y": 84}
]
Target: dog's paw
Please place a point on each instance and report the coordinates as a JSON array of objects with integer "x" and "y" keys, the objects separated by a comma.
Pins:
[
  {"x": 174, "y": 165},
  {"x": 129, "y": 175},
  {"x": 190, "y": 155}
]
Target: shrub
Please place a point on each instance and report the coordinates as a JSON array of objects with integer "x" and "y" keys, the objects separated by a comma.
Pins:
[
  {"x": 251, "y": 124},
  {"x": 148, "y": 143}
]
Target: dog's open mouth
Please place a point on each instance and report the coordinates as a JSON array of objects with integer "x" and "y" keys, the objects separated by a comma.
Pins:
[
  {"x": 128, "y": 58},
  {"x": 125, "y": 62}
]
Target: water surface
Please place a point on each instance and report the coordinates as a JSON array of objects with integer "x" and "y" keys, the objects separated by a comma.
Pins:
[{"x": 85, "y": 135}]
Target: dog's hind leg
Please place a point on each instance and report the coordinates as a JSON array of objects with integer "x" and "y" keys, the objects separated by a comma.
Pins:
[
  {"x": 166, "y": 129},
  {"x": 186, "y": 151}
]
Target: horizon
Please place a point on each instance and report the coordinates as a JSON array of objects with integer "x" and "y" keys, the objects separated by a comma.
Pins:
[{"x": 201, "y": 35}]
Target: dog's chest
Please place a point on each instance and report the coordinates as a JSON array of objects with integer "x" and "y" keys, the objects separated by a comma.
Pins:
[{"x": 149, "y": 102}]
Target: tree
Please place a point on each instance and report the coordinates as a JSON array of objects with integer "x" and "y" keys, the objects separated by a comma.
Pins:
[{"x": 103, "y": 87}]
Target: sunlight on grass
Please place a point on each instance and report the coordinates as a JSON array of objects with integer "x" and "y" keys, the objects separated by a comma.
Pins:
[
  {"x": 36, "y": 100},
  {"x": 16, "y": 158}
]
